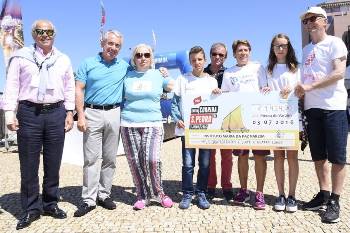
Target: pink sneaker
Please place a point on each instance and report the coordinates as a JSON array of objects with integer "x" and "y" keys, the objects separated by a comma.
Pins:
[
  {"x": 140, "y": 204},
  {"x": 166, "y": 202},
  {"x": 259, "y": 201}
]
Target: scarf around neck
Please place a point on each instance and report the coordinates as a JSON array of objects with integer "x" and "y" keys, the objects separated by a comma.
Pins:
[{"x": 44, "y": 79}]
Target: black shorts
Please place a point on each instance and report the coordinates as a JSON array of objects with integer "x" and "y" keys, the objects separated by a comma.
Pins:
[{"x": 327, "y": 132}]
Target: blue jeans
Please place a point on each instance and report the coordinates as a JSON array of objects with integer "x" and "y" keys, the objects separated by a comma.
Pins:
[{"x": 188, "y": 164}]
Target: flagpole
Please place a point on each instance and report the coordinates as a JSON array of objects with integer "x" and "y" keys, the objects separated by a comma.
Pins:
[
  {"x": 154, "y": 40},
  {"x": 103, "y": 19},
  {"x": 154, "y": 45}
]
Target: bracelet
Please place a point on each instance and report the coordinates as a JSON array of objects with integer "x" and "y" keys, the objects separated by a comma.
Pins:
[{"x": 69, "y": 111}]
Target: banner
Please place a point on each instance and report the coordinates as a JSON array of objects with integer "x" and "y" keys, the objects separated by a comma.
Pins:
[
  {"x": 11, "y": 39},
  {"x": 11, "y": 28},
  {"x": 241, "y": 121}
]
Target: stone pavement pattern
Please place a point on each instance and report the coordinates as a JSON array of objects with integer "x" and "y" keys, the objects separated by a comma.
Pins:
[{"x": 221, "y": 217}]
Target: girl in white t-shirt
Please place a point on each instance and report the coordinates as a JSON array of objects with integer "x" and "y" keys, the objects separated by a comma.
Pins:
[{"x": 283, "y": 75}]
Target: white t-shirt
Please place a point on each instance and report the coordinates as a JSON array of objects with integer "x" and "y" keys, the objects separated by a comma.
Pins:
[
  {"x": 190, "y": 84},
  {"x": 281, "y": 77},
  {"x": 318, "y": 64},
  {"x": 248, "y": 78}
]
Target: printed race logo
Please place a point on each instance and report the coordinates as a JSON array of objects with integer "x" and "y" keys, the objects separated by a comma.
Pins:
[{"x": 197, "y": 100}]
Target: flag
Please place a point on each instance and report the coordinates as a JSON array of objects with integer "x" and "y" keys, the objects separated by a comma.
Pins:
[
  {"x": 103, "y": 18},
  {"x": 11, "y": 28},
  {"x": 154, "y": 40}
]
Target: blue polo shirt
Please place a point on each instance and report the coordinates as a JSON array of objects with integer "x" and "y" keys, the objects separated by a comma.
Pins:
[{"x": 103, "y": 81}]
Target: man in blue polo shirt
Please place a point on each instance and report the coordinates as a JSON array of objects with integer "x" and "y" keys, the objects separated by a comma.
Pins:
[{"x": 99, "y": 87}]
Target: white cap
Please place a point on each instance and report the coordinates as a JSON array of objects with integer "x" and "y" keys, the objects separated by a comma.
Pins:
[{"x": 314, "y": 10}]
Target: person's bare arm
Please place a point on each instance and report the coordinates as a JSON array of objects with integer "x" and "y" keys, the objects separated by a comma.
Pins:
[
  {"x": 79, "y": 105},
  {"x": 339, "y": 66},
  {"x": 170, "y": 86}
]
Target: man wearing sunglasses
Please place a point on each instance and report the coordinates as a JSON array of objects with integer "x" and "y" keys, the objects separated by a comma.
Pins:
[
  {"x": 40, "y": 85},
  {"x": 323, "y": 68},
  {"x": 218, "y": 55}
]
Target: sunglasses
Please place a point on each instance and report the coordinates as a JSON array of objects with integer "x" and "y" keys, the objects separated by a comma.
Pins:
[
  {"x": 145, "y": 55},
  {"x": 40, "y": 32},
  {"x": 218, "y": 54},
  {"x": 312, "y": 19},
  {"x": 281, "y": 46}
]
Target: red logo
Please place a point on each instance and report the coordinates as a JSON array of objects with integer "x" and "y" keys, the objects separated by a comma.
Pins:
[{"x": 197, "y": 100}]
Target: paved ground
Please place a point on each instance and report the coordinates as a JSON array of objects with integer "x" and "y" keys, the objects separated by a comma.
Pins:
[{"x": 221, "y": 217}]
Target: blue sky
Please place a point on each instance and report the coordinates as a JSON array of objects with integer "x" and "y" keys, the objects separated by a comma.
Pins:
[{"x": 178, "y": 25}]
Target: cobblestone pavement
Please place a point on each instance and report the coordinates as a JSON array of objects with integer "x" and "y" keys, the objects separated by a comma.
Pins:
[{"x": 221, "y": 217}]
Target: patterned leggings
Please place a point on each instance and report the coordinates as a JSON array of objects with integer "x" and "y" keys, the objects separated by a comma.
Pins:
[{"x": 142, "y": 146}]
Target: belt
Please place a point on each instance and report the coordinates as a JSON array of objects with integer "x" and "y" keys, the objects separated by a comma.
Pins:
[
  {"x": 102, "y": 107},
  {"x": 42, "y": 107}
]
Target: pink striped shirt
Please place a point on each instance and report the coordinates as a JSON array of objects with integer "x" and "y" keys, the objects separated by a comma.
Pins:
[{"x": 19, "y": 77}]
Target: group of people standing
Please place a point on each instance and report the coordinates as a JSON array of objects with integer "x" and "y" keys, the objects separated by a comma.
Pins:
[
  {"x": 245, "y": 76},
  {"x": 43, "y": 91},
  {"x": 40, "y": 96},
  {"x": 318, "y": 82}
]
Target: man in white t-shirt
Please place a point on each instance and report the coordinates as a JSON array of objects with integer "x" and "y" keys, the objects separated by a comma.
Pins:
[{"x": 323, "y": 68}]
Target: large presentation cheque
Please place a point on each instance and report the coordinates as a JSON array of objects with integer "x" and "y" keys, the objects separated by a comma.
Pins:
[{"x": 241, "y": 121}]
